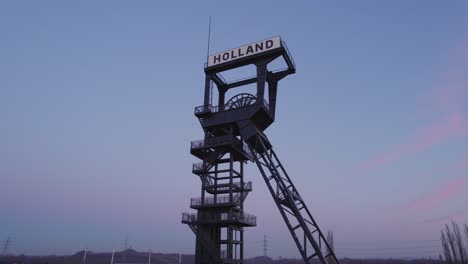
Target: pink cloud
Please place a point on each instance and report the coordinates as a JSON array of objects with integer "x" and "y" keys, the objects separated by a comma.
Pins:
[
  {"x": 448, "y": 98},
  {"x": 438, "y": 196},
  {"x": 441, "y": 194},
  {"x": 448, "y": 102},
  {"x": 461, "y": 164},
  {"x": 453, "y": 125}
]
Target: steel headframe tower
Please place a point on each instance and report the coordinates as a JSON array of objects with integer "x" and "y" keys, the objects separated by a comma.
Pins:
[{"x": 233, "y": 136}]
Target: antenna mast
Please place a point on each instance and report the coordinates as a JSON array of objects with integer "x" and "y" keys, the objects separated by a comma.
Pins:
[
  {"x": 209, "y": 38},
  {"x": 207, "y": 58}
]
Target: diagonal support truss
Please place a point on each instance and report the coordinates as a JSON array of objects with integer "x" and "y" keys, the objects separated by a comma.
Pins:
[{"x": 304, "y": 230}]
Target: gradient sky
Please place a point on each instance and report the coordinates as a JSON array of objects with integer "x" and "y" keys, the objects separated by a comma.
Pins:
[{"x": 97, "y": 98}]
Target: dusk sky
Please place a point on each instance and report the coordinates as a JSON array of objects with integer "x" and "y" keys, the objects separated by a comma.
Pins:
[{"x": 97, "y": 99}]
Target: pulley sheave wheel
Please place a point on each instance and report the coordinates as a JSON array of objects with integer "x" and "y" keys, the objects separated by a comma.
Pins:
[{"x": 240, "y": 100}]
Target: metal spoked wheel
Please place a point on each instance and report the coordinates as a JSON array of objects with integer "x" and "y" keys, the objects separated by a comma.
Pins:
[{"x": 240, "y": 100}]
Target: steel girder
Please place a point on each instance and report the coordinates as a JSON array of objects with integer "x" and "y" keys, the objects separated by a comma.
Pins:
[{"x": 298, "y": 219}]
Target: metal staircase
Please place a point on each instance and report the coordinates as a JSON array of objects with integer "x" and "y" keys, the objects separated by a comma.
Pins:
[{"x": 220, "y": 219}]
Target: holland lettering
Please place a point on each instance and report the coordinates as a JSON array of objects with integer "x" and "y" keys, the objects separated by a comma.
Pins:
[
  {"x": 217, "y": 59},
  {"x": 244, "y": 51}
]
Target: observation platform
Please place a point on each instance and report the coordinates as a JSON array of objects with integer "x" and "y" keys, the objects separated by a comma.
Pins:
[
  {"x": 205, "y": 147},
  {"x": 225, "y": 188},
  {"x": 226, "y": 219},
  {"x": 214, "y": 117},
  {"x": 211, "y": 202}
]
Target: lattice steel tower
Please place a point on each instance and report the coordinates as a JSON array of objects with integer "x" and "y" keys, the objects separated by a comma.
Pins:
[{"x": 233, "y": 136}]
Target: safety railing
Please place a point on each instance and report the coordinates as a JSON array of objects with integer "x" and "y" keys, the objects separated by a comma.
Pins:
[
  {"x": 220, "y": 200},
  {"x": 211, "y": 142},
  {"x": 204, "y": 109},
  {"x": 288, "y": 53},
  {"x": 250, "y": 219},
  {"x": 241, "y": 217},
  {"x": 229, "y": 217},
  {"x": 189, "y": 218},
  {"x": 246, "y": 188},
  {"x": 199, "y": 166},
  {"x": 217, "y": 141}
]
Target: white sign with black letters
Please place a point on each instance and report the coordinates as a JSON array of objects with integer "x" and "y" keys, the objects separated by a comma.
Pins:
[{"x": 244, "y": 51}]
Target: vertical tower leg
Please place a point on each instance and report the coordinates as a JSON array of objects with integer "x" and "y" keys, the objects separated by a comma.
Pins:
[{"x": 219, "y": 222}]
